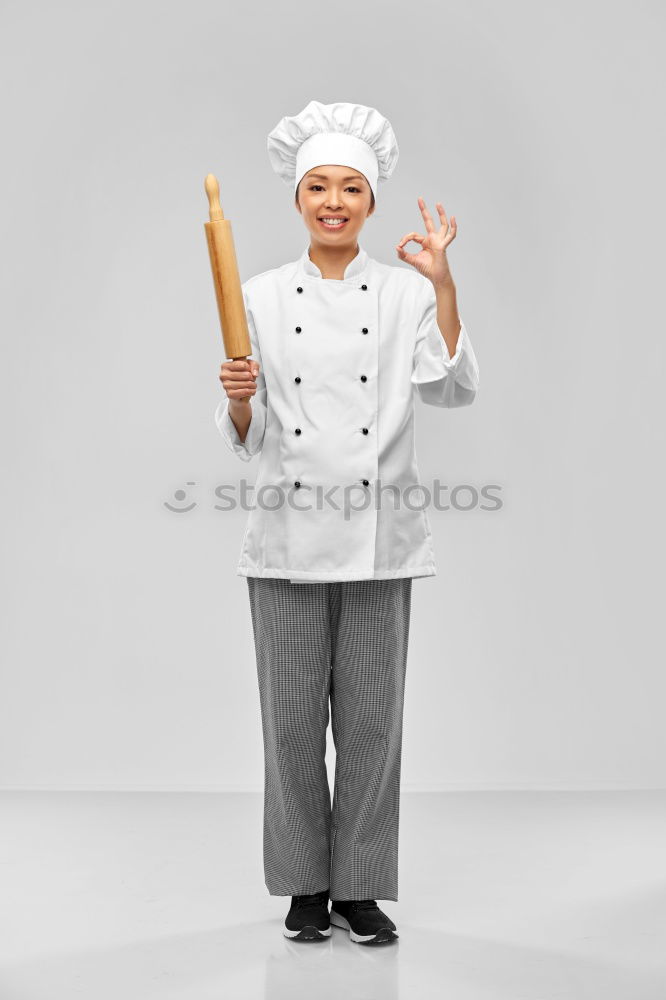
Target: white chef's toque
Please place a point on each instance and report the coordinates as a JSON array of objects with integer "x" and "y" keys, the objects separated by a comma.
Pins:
[{"x": 350, "y": 135}]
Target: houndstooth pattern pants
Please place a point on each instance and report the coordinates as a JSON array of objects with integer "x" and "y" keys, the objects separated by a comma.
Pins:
[{"x": 345, "y": 642}]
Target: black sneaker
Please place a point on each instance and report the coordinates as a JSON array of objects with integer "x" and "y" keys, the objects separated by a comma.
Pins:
[
  {"x": 364, "y": 920},
  {"x": 308, "y": 918}
]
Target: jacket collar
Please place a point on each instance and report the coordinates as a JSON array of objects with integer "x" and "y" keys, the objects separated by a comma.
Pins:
[{"x": 354, "y": 268}]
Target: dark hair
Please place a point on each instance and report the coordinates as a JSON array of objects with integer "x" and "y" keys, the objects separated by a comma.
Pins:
[{"x": 372, "y": 196}]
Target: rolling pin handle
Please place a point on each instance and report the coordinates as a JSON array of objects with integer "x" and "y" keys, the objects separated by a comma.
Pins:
[{"x": 213, "y": 192}]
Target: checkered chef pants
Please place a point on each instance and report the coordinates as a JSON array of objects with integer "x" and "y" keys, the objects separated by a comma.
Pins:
[{"x": 344, "y": 641}]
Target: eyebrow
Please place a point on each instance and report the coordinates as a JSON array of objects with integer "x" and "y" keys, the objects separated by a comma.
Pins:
[{"x": 351, "y": 177}]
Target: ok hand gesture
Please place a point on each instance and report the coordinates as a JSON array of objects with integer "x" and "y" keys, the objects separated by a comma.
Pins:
[{"x": 431, "y": 260}]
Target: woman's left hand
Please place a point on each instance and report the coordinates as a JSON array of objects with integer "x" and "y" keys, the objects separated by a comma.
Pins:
[{"x": 431, "y": 260}]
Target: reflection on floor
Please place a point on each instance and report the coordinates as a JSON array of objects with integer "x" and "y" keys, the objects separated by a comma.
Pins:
[{"x": 503, "y": 896}]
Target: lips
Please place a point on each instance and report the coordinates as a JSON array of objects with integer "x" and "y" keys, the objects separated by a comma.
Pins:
[{"x": 337, "y": 225}]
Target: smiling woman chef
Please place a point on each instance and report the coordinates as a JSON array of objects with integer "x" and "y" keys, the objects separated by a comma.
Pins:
[{"x": 341, "y": 343}]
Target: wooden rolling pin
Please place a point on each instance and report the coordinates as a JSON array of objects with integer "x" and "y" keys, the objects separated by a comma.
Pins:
[{"x": 228, "y": 291}]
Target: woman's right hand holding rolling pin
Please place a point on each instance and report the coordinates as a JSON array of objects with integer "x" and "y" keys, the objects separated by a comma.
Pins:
[{"x": 239, "y": 381}]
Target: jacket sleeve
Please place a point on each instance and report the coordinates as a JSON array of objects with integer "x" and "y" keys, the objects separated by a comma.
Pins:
[
  {"x": 255, "y": 432},
  {"x": 442, "y": 380}
]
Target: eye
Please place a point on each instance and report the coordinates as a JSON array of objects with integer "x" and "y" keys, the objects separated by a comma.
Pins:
[{"x": 349, "y": 188}]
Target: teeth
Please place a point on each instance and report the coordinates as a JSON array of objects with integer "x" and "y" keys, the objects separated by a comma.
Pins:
[{"x": 333, "y": 222}]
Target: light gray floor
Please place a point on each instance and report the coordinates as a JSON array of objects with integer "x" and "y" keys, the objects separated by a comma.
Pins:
[{"x": 516, "y": 895}]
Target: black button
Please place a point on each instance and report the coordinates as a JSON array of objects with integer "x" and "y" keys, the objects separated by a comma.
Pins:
[
  {"x": 364, "y": 287},
  {"x": 364, "y": 378},
  {"x": 366, "y": 482},
  {"x": 299, "y": 289},
  {"x": 365, "y": 329},
  {"x": 365, "y": 430},
  {"x": 298, "y": 329},
  {"x": 297, "y": 484},
  {"x": 298, "y": 430},
  {"x": 298, "y": 378}
]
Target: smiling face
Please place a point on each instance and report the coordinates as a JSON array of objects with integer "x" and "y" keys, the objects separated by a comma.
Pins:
[{"x": 334, "y": 192}]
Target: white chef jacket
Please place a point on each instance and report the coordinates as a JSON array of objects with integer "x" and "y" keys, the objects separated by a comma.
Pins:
[{"x": 341, "y": 362}]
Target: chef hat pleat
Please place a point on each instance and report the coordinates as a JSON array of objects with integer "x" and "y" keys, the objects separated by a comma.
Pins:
[{"x": 351, "y": 135}]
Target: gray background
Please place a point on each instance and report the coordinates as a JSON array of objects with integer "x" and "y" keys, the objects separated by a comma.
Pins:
[{"x": 536, "y": 654}]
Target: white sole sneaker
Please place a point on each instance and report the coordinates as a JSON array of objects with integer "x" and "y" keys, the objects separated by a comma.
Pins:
[
  {"x": 382, "y": 936},
  {"x": 307, "y": 933}
]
